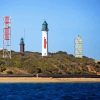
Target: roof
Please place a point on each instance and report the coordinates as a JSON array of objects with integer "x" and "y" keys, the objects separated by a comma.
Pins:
[
  {"x": 44, "y": 26},
  {"x": 21, "y": 41}
]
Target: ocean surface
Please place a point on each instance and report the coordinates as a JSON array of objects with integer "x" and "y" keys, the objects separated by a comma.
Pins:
[{"x": 50, "y": 91}]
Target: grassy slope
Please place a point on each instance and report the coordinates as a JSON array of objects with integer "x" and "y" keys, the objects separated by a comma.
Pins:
[{"x": 55, "y": 63}]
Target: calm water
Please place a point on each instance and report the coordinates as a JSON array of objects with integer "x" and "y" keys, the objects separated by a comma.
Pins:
[{"x": 47, "y": 91}]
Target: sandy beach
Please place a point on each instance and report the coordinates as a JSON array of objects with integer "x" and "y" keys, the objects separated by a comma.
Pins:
[{"x": 45, "y": 80}]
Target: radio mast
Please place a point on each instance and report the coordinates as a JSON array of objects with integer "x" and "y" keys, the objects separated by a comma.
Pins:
[{"x": 7, "y": 37}]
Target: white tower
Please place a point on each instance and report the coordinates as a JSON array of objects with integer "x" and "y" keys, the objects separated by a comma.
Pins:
[
  {"x": 45, "y": 39},
  {"x": 78, "y": 47}
]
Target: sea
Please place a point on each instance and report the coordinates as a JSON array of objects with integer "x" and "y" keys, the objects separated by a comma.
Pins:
[{"x": 50, "y": 91}]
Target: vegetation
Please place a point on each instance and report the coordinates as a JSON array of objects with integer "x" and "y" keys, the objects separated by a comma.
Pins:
[{"x": 59, "y": 63}]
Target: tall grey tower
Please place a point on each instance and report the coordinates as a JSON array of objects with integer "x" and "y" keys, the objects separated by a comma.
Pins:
[
  {"x": 78, "y": 47},
  {"x": 22, "y": 46}
]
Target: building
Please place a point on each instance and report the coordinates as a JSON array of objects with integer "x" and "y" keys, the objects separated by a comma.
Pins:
[
  {"x": 22, "y": 46},
  {"x": 44, "y": 39},
  {"x": 78, "y": 47}
]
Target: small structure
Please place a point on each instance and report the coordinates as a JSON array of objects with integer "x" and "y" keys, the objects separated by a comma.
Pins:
[
  {"x": 22, "y": 46},
  {"x": 78, "y": 47},
  {"x": 44, "y": 39}
]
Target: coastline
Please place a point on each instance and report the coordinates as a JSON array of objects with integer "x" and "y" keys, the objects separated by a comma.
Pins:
[{"x": 46, "y": 80}]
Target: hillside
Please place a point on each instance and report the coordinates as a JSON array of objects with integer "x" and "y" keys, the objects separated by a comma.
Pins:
[{"x": 59, "y": 63}]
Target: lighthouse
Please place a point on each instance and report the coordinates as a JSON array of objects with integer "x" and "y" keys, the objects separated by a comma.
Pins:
[
  {"x": 22, "y": 45},
  {"x": 78, "y": 47},
  {"x": 44, "y": 39}
]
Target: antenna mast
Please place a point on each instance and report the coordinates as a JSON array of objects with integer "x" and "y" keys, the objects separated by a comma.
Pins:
[{"x": 7, "y": 37}]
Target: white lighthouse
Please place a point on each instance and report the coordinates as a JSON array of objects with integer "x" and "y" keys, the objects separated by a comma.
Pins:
[
  {"x": 78, "y": 47},
  {"x": 44, "y": 39}
]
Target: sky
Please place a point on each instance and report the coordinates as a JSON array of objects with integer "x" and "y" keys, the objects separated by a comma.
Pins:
[{"x": 66, "y": 20}]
